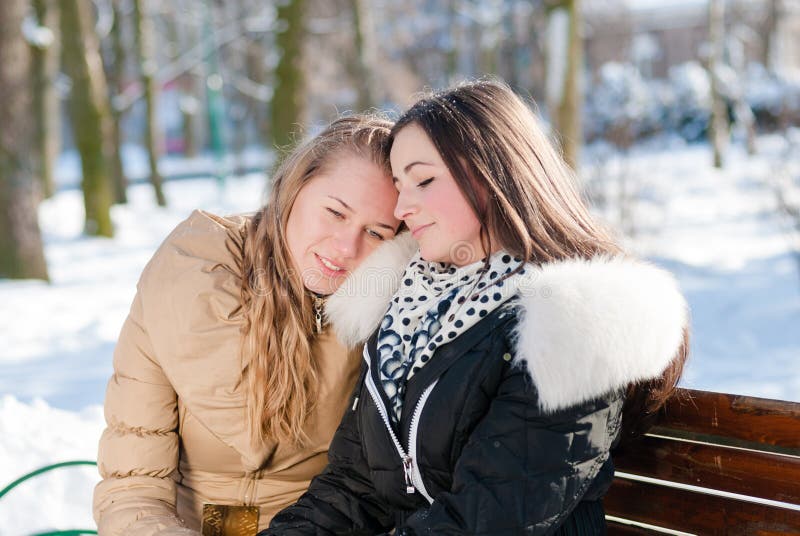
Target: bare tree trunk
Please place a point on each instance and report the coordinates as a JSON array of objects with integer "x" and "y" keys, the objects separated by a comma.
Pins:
[
  {"x": 363, "y": 70},
  {"x": 116, "y": 72},
  {"x": 565, "y": 63},
  {"x": 90, "y": 119},
  {"x": 769, "y": 35},
  {"x": 189, "y": 102},
  {"x": 719, "y": 118},
  {"x": 286, "y": 108},
  {"x": 21, "y": 251},
  {"x": 46, "y": 104},
  {"x": 190, "y": 106},
  {"x": 145, "y": 51},
  {"x": 451, "y": 59},
  {"x": 257, "y": 72}
]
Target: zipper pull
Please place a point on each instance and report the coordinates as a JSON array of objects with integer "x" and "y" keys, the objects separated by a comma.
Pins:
[
  {"x": 319, "y": 303},
  {"x": 355, "y": 404},
  {"x": 408, "y": 470}
]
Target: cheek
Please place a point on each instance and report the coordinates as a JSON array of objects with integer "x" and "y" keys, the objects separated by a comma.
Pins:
[
  {"x": 458, "y": 218},
  {"x": 299, "y": 231}
]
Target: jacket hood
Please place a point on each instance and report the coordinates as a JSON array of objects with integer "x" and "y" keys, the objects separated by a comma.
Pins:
[{"x": 584, "y": 327}]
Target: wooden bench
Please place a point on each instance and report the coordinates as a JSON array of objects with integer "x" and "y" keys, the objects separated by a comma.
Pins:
[{"x": 713, "y": 464}]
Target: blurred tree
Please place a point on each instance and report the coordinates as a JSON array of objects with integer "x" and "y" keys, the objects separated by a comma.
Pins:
[
  {"x": 362, "y": 68},
  {"x": 256, "y": 71},
  {"x": 245, "y": 70},
  {"x": 491, "y": 35},
  {"x": 769, "y": 35},
  {"x": 21, "y": 252},
  {"x": 182, "y": 35},
  {"x": 719, "y": 131},
  {"x": 564, "y": 68},
  {"x": 115, "y": 71},
  {"x": 454, "y": 39},
  {"x": 89, "y": 114},
  {"x": 145, "y": 52},
  {"x": 46, "y": 105},
  {"x": 286, "y": 108}
]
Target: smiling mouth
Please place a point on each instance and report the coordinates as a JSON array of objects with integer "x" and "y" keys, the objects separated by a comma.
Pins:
[
  {"x": 335, "y": 268},
  {"x": 419, "y": 230}
]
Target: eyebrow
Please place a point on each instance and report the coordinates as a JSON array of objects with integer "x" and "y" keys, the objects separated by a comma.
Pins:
[
  {"x": 414, "y": 163},
  {"x": 345, "y": 205},
  {"x": 348, "y": 207}
]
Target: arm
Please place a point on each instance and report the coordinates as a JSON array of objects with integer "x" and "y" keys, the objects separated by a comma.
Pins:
[
  {"x": 521, "y": 468},
  {"x": 138, "y": 450},
  {"x": 342, "y": 499}
]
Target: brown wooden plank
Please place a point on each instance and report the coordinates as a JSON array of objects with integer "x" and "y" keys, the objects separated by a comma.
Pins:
[
  {"x": 620, "y": 529},
  {"x": 694, "y": 512},
  {"x": 750, "y": 419},
  {"x": 758, "y": 474}
]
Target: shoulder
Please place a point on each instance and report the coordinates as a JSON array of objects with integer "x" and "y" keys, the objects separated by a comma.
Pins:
[
  {"x": 587, "y": 327},
  {"x": 192, "y": 284},
  {"x": 202, "y": 239}
]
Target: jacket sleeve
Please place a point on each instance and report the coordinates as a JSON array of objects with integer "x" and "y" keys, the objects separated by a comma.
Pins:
[
  {"x": 138, "y": 450},
  {"x": 341, "y": 499},
  {"x": 521, "y": 469}
]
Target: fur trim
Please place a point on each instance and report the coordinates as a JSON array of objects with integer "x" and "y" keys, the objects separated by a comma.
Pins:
[
  {"x": 357, "y": 307},
  {"x": 588, "y": 327}
]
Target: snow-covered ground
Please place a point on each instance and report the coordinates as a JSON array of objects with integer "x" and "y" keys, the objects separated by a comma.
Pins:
[
  {"x": 58, "y": 341},
  {"x": 718, "y": 231}
]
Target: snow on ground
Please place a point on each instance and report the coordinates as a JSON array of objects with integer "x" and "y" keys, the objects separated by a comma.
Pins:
[
  {"x": 718, "y": 231},
  {"x": 59, "y": 338}
]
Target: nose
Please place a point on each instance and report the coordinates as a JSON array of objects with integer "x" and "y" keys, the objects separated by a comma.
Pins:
[
  {"x": 347, "y": 243},
  {"x": 405, "y": 207}
]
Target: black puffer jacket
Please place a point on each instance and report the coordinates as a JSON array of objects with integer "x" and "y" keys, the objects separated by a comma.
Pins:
[{"x": 487, "y": 449}]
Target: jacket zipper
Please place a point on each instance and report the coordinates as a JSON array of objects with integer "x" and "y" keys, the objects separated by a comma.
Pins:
[
  {"x": 411, "y": 471},
  {"x": 412, "y": 440}
]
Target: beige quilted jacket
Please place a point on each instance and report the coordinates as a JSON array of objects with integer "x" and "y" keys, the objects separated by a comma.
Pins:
[{"x": 175, "y": 436}]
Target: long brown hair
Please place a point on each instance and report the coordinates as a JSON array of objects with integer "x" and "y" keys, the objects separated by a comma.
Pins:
[
  {"x": 279, "y": 373},
  {"x": 523, "y": 193}
]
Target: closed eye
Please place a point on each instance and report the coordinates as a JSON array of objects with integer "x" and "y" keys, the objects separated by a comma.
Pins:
[
  {"x": 338, "y": 215},
  {"x": 424, "y": 183},
  {"x": 375, "y": 234}
]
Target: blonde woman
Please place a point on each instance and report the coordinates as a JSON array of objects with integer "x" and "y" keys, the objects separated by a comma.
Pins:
[{"x": 228, "y": 383}]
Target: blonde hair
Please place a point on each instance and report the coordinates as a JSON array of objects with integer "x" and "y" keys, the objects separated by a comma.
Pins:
[{"x": 279, "y": 373}]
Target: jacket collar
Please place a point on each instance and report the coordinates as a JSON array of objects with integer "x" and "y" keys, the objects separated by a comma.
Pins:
[
  {"x": 357, "y": 307},
  {"x": 585, "y": 327}
]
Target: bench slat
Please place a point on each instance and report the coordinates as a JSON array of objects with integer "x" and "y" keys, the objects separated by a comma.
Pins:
[
  {"x": 744, "y": 418},
  {"x": 695, "y": 512},
  {"x": 757, "y": 474},
  {"x": 620, "y": 529}
]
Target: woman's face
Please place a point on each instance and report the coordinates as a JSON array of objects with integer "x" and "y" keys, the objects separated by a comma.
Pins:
[
  {"x": 337, "y": 219},
  {"x": 431, "y": 203}
]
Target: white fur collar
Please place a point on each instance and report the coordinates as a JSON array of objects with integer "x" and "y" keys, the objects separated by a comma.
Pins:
[
  {"x": 357, "y": 307},
  {"x": 588, "y": 327},
  {"x": 585, "y": 328}
]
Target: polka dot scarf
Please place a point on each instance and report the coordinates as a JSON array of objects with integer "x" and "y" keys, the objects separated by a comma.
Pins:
[{"x": 436, "y": 303}]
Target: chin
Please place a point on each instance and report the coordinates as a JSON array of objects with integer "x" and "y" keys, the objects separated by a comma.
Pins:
[
  {"x": 432, "y": 256},
  {"x": 324, "y": 285}
]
